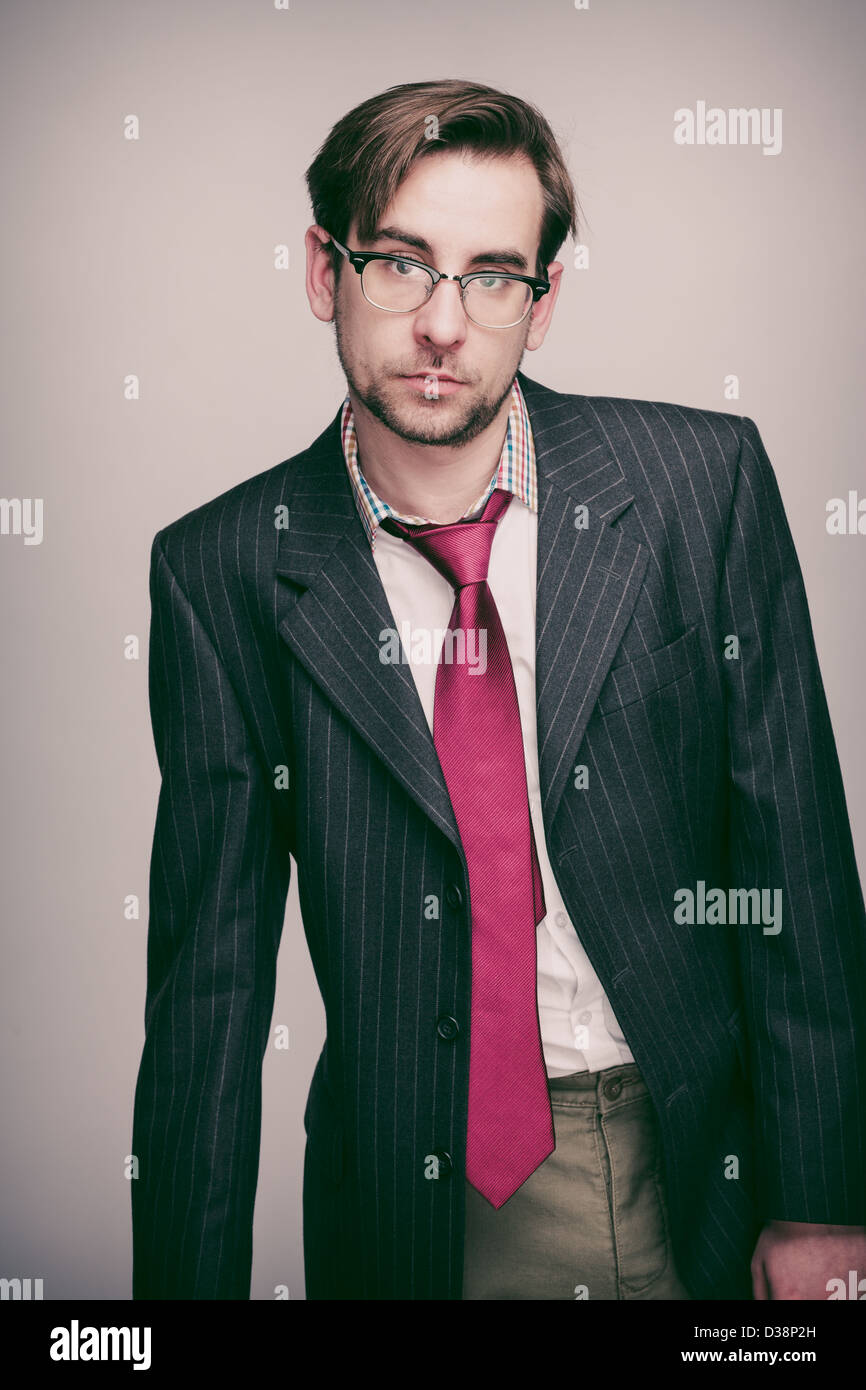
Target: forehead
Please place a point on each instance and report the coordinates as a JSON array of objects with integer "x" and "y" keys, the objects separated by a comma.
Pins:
[{"x": 459, "y": 202}]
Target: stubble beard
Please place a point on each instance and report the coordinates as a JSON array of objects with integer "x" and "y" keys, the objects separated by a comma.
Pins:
[{"x": 431, "y": 425}]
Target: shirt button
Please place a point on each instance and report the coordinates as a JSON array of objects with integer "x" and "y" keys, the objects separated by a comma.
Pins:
[
  {"x": 561, "y": 920},
  {"x": 585, "y": 1017}
]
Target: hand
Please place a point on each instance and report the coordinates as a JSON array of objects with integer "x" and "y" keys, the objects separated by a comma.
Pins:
[{"x": 797, "y": 1259}]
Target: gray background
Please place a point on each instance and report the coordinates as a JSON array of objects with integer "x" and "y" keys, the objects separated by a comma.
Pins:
[{"x": 155, "y": 257}]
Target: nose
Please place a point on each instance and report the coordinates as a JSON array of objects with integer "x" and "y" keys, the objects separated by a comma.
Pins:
[{"x": 441, "y": 321}]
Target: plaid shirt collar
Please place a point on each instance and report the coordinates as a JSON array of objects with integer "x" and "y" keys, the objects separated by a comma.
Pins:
[{"x": 515, "y": 473}]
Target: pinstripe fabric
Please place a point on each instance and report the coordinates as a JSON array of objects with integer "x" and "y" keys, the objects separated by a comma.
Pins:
[{"x": 264, "y": 654}]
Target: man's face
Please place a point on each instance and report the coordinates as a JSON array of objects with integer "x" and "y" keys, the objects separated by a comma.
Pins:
[{"x": 450, "y": 211}]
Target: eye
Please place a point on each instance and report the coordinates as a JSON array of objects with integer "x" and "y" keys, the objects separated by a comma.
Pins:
[
  {"x": 405, "y": 269},
  {"x": 493, "y": 284}
]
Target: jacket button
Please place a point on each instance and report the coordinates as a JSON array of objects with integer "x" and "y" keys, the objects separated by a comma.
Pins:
[
  {"x": 446, "y": 1167},
  {"x": 447, "y": 1027},
  {"x": 453, "y": 896}
]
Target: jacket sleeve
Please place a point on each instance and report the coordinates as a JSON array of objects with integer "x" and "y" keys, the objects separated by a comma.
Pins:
[
  {"x": 219, "y": 876},
  {"x": 804, "y": 983}
]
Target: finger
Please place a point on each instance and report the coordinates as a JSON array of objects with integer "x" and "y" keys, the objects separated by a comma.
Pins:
[{"x": 760, "y": 1282}]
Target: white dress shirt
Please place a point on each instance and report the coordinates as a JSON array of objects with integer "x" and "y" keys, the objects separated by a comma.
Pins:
[{"x": 578, "y": 1029}]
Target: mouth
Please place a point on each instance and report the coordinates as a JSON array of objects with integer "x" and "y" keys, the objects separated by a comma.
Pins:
[{"x": 433, "y": 383}]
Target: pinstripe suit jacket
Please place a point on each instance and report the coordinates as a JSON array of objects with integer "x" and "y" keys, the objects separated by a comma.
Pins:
[{"x": 279, "y": 732}]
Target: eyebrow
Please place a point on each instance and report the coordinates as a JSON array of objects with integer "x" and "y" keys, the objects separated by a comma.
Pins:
[{"x": 508, "y": 256}]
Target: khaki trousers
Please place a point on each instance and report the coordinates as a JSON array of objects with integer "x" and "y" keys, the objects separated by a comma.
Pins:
[{"x": 591, "y": 1222}]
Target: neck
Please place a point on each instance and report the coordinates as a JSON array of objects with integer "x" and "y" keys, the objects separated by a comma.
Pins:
[{"x": 429, "y": 480}]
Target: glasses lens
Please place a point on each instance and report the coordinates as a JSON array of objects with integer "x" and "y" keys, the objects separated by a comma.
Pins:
[
  {"x": 495, "y": 302},
  {"x": 396, "y": 285}
]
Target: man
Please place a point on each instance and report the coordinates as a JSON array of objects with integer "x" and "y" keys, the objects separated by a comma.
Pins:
[{"x": 526, "y": 684}]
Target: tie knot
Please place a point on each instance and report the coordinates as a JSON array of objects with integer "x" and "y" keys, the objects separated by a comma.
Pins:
[{"x": 459, "y": 550}]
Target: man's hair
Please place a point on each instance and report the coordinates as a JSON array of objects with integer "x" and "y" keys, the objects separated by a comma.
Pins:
[{"x": 371, "y": 149}]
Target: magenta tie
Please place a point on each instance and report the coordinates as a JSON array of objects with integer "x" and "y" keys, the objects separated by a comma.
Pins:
[{"x": 477, "y": 733}]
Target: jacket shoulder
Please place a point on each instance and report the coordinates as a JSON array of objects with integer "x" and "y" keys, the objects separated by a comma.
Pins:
[
  {"x": 665, "y": 450},
  {"x": 631, "y": 423},
  {"x": 235, "y": 508},
  {"x": 240, "y": 521},
  {"x": 667, "y": 422}
]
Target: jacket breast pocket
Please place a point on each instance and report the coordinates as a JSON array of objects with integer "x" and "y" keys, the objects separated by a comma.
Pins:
[{"x": 635, "y": 680}]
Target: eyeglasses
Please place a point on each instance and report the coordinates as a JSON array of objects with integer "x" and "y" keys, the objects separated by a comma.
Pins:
[{"x": 399, "y": 285}]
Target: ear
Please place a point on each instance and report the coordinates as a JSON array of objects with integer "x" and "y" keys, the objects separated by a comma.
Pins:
[
  {"x": 320, "y": 273},
  {"x": 542, "y": 311}
]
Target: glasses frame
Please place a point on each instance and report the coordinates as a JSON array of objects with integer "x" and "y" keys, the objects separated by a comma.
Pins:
[{"x": 360, "y": 259}]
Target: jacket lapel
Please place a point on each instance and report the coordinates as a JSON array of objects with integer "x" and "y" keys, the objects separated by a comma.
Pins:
[
  {"x": 588, "y": 582},
  {"x": 589, "y": 574},
  {"x": 334, "y": 626}
]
